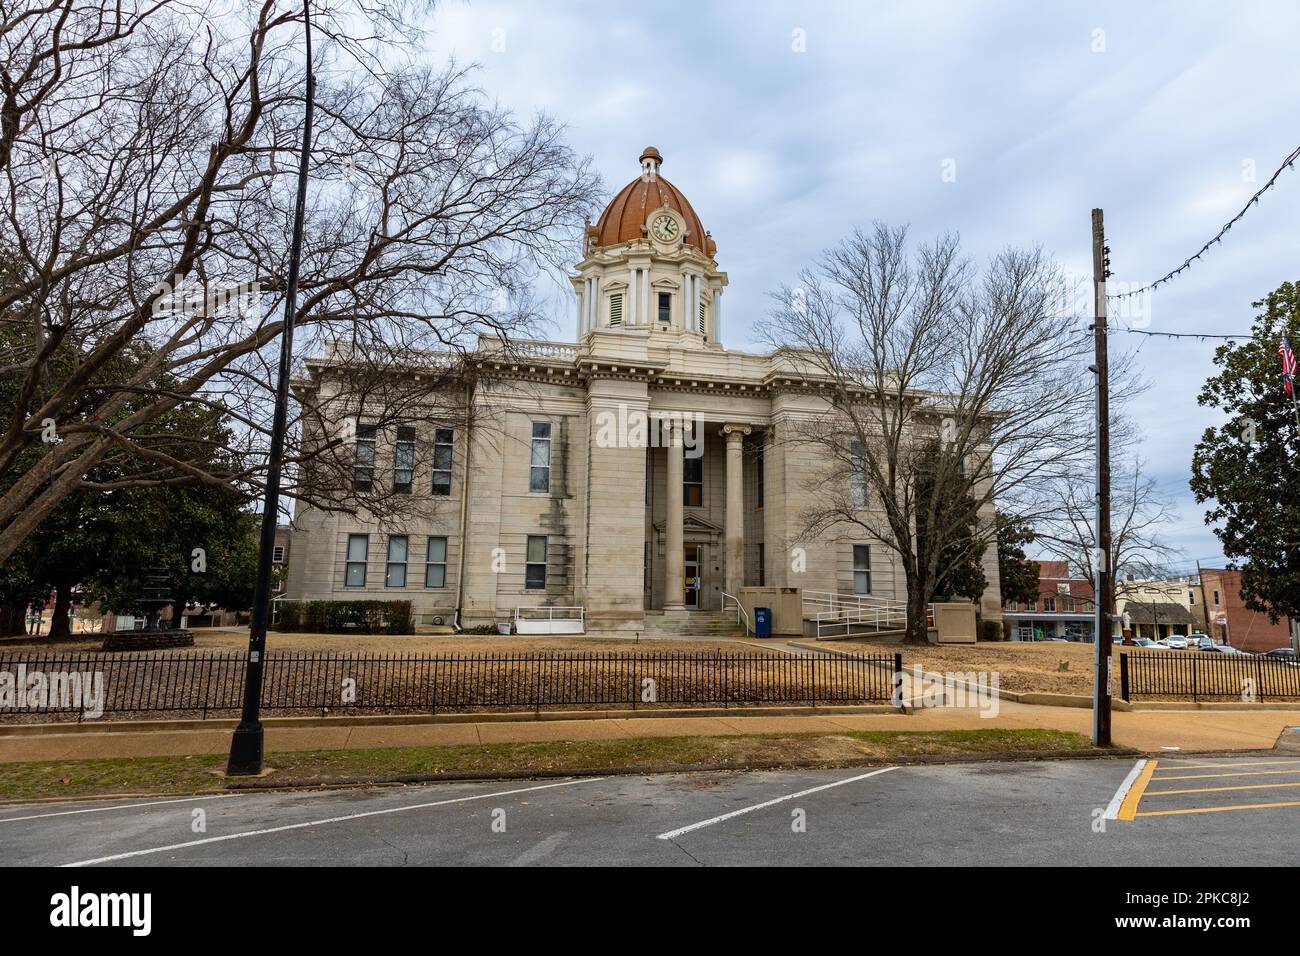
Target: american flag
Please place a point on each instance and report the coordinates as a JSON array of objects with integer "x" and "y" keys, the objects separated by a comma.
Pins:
[{"x": 1288, "y": 364}]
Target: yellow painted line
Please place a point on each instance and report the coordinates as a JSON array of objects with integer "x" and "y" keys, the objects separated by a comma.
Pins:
[
  {"x": 1248, "y": 773},
  {"x": 1128, "y": 809},
  {"x": 1241, "y": 806},
  {"x": 1244, "y": 786},
  {"x": 1235, "y": 763}
]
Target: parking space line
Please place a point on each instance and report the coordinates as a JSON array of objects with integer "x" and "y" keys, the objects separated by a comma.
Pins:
[
  {"x": 673, "y": 834},
  {"x": 1244, "y": 786},
  {"x": 316, "y": 823},
  {"x": 1128, "y": 808},
  {"x": 1175, "y": 765},
  {"x": 1117, "y": 801},
  {"x": 1247, "y": 773},
  {"x": 1240, "y": 806},
  {"x": 120, "y": 806}
]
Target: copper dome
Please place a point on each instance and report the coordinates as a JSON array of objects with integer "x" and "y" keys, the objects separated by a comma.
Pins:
[{"x": 624, "y": 218}]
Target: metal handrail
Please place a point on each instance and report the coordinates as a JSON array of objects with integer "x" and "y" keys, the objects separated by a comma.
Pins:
[
  {"x": 740, "y": 611},
  {"x": 550, "y": 612},
  {"x": 849, "y": 610}
]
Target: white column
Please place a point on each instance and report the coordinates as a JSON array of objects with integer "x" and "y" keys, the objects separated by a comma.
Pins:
[
  {"x": 595, "y": 301},
  {"x": 674, "y": 550},
  {"x": 735, "y": 529},
  {"x": 629, "y": 310},
  {"x": 586, "y": 304},
  {"x": 647, "y": 303},
  {"x": 695, "y": 303},
  {"x": 717, "y": 315},
  {"x": 578, "y": 296}
]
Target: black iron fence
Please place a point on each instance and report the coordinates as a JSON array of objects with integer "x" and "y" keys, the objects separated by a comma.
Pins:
[
  {"x": 211, "y": 685},
  {"x": 1206, "y": 675}
]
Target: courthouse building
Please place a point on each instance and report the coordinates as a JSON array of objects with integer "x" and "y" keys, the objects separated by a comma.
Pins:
[{"x": 557, "y": 496}]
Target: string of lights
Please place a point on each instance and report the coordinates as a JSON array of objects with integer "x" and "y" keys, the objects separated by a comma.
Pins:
[{"x": 1286, "y": 164}]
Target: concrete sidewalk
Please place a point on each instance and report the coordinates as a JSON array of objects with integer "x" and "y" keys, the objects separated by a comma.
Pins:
[{"x": 1149, "y": 731}]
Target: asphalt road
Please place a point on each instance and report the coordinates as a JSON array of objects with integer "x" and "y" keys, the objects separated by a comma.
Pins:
[{"x": 1184, "y": 811}]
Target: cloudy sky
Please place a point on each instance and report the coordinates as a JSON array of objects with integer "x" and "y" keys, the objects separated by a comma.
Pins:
[{"x": 787, "y": 124}]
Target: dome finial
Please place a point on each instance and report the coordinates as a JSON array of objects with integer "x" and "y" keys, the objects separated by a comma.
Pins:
[{"x": 650, "y": 162}]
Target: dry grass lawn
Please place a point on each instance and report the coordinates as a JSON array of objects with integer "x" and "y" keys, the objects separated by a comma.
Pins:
[{"x": 1020, "y": 666}]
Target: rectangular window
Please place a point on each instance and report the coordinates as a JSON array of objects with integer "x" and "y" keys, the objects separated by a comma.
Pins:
[
  {"x": 535, "y": 563},
  {"x": 444, "y": 440},
  {"x": 665, "y": 307},
  {"x": 1191, "y": 598},
  {"x": 762, "y": 566},
  {"x": 395, "y": 570},
  {"x": 277, "y": 554},
  {"x": 693, "y": 481},
  {"x": 758, "y": 464},
  {"x": 858, "y": 474},
  {"x": 1049, "y": 604},
  {"x": 363, "y": 464},
  {"x": 358, "y": 551},
  {"x": 539, "y": 472},
  {"x": 1216, "y": 598},
  {"x": 861, "y": 569},
  {"x": 616, "y": 309},
  {"x": 435, "y": 564},
  {"x": 704, "y": 328},
  {"x": 404, "y": 460}
]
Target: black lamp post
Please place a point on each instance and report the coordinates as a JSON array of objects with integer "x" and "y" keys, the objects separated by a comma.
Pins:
[{"x": 246, "y": 745}]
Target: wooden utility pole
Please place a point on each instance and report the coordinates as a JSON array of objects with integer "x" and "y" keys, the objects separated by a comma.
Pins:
[{"x": 1103, "y": 585}]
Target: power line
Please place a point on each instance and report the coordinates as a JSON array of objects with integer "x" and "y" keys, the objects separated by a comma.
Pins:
[{"x": 1286, "y": 164}]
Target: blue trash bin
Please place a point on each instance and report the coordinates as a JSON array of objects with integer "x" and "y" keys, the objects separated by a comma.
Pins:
[{"x": 763, "y": 622}]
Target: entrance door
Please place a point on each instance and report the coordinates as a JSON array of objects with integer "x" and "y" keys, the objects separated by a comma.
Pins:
[{"x": 691, "y": 593}]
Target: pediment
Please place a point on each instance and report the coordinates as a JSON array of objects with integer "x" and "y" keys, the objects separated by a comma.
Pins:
[{"x": 694, "y": 524}]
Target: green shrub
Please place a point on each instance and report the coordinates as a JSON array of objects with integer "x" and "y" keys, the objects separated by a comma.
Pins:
[
  {"x": 346, "y": 617},
  {"x": 991, "y": 631}
]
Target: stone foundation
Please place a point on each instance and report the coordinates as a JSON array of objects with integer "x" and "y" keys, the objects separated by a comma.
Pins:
[{"x": 147, "y": 640}]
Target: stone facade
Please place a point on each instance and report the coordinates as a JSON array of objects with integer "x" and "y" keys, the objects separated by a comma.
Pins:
[{"x": 663, "y": 448}]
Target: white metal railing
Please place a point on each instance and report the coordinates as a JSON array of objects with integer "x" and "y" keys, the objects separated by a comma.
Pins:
[
  {"x": 834, "y": 613},
  {"x": 547, "y": 619},
  {"x": 741, "y": 617}
]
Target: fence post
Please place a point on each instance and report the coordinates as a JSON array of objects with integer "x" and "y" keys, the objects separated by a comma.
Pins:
[
  {"x": 1194, "y": 671},
  {"x": 895, "y": 679},
  {"x": 813, "y": 678},
  {"x": 1123, "y": 677}
]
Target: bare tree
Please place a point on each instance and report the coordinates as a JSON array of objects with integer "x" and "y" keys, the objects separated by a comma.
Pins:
[
  {"x": 948, "y": 388},
  {"x": 147, "y": 166}
]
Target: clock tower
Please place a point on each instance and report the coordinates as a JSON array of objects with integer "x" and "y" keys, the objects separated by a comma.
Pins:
[{"x": 649, "y": 267}]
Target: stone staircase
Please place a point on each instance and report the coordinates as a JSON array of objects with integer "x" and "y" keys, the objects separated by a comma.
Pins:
[{"x": 691, "y": 625}]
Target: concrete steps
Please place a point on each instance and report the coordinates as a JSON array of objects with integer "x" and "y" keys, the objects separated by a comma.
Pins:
[{"x": 692, "y": 624}]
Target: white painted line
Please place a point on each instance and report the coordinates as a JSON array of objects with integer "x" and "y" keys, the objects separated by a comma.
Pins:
[
  {"x": 674, "y": 834},
  {"x": 1112, "y": 811},
  {"x": 317, "y": 823},
  {"x": 120, "y": 806}
]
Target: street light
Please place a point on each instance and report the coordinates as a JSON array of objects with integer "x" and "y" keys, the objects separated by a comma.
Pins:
[{"x": 246, "y": 744}]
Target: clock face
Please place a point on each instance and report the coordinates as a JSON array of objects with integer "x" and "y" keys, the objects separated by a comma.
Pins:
[{"x": 665, "y": 228}]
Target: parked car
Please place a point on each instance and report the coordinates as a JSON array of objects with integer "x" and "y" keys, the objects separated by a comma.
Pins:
[
  {"x": 1225, "y": 649},
  {"x": 1147, "y": 644},
  {"x": 1202, "y": 641},
  {"x": 1176, "y": 641},
  {"x": 1285, "y": 653}
]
